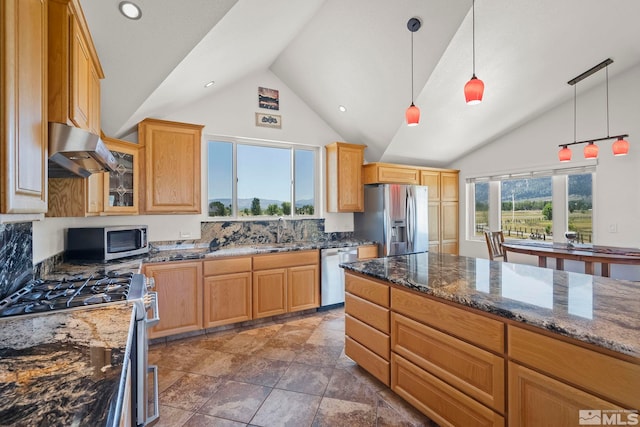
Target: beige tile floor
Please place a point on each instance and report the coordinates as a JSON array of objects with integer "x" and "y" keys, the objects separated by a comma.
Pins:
[{"x": 291, "y": 372}]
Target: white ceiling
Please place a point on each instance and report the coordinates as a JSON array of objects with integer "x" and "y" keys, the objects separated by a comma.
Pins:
[{"x": 357, "y": 53}]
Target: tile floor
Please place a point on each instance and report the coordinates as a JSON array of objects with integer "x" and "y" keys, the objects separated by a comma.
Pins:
[{"x": 291, "y": 372}]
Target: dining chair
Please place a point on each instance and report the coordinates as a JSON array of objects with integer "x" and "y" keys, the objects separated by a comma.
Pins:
[{"x": 495, "y": 239}]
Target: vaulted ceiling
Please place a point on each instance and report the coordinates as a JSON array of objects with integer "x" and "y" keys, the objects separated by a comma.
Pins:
[{"x": 357, "y": 53}]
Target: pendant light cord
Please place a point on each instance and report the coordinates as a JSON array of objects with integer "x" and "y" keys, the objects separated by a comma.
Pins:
[
  {"x": 606, "y": 69},
  {"x": 412, "y": 67},
  {"x": 473, "y": 34},
  {"x": 574, "y": 113}
]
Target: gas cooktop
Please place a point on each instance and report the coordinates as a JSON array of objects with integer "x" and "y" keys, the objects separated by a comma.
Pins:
[{"x": 48, "y": 295}]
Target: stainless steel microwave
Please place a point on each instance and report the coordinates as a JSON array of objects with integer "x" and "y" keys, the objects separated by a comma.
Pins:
[{"x": 106, "y": 243}]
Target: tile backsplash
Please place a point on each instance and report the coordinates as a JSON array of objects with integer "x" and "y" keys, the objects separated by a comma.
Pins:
[{"x": 16, "y": 256}]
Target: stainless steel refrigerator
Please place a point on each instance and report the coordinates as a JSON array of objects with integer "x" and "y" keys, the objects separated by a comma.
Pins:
[{"x": 396, "y": 217}]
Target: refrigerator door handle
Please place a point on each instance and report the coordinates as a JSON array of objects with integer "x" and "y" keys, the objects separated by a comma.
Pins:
[{"x": 411, "y": 214}]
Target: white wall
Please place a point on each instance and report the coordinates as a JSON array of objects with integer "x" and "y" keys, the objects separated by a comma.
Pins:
[
  {"x": 535, "y": 145},
  {"x": 229, "y": 112}
]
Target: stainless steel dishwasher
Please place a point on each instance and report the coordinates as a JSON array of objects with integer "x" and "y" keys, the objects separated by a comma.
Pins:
[{"x": 332, "y": 276}]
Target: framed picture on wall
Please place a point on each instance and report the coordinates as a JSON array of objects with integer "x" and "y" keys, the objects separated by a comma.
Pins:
[
  {"x": 269, "y": 120},
  {"x": 268, "y": 98}
]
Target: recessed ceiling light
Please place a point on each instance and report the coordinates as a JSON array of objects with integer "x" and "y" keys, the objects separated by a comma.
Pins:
[
  {"x": 130, "y": 10},
  {"x": 211, "y": 83},
  {"x": 342, "y": 108}
]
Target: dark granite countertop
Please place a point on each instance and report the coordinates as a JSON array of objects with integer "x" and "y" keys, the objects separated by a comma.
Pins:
[
  {"x": 65, "y": 367},
  {"x": 593, "y": 309}
]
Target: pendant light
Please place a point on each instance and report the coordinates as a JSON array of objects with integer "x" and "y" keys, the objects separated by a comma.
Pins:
[
  {"x": 619, "y": 148},
  {"x": 413, "y": 112},
  {"x": 474, "y": 89}
]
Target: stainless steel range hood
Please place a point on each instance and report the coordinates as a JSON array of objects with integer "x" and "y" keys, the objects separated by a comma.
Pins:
[{"x": 75, "y": 152}]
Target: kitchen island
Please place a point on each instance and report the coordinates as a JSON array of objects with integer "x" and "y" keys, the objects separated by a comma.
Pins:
[{"x": 478, "y": 342}]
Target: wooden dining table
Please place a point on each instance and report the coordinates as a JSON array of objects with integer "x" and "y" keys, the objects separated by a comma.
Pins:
[{"x": 589, "y": 254}]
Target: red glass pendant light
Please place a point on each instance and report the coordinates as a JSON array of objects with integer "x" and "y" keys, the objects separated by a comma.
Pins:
[
  {"x": 413, "y": 112},
  {"x": 474, "y": 89},
  {"x": 565, "y": 154},
  {"x": 591, "y": 151},
  {"x": 620, "y": 147}
]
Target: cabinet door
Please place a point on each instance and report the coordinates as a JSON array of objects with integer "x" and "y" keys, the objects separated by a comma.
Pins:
[
  {"x": 434, "y": 226},
  {"x": 449, "y": 221},
  {"x": 171, "y": 166},
  {"x": 538, "y": 400},
  {"x": 23, "y": 150},
  {"x": 449, "y": 186},
  {"x": 94, "y": 102},
  {"x": 179, "y": 287},
  {"x": 120, "y": 192},
  {"x": 81, "y": 79},
  {"x": 390, "y": 174},
  {"x": 345, "y": 192},
  {"x": 269, "y": 292},
  {"x": 432, "y": 180},
  {"x": 303, "y": 289},
  {"x": 227, "y": 299}
]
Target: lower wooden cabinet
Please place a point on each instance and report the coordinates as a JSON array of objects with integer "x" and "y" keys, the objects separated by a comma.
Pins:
[
  {"x": 227, "y": 291},
  {"x": 538, "y": 400},
  {"x": 285, "y": 282},
  {"x": 441, "y": 402},
  {"x": 179, "y": 288},
  {"x": 269, "y": 292}
]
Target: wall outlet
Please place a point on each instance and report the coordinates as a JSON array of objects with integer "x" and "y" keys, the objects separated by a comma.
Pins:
[
  {"x": 613, "y": 228},
  {"x": 185, "y": 234}
]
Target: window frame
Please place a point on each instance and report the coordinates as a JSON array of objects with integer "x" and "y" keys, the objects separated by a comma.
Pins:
[
  {"x": 292, "y": 147},
  {"x": 559, "y": 196}
]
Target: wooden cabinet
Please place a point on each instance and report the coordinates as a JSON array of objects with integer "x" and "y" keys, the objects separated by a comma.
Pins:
[
  {"x": 387, "y": 173},
  {"x": 107, "y": 193},
  {"x": 367, "y": 251},
  {"x": 74, "y": 68},
  {"x": 538, "y": 400},
  {"x": 179, "y": 287},
  {"x": 367, "y": 325},
  {"x": 285, "y": 282},
  {"x": 23, "y": 107},
  {"x": 431, "y": 178},
  {"x": 170, "y": 167},
  {"x": 227, "y": 291},
  {"x": 345, "y": 192},
  {"x": 614, "y": 380}
]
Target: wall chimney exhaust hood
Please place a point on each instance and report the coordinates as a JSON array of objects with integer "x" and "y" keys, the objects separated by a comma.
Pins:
[{"x": 77, "y": 153}]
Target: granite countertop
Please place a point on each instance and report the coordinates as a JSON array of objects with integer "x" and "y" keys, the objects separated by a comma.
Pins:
[
  {"x": 593, "y": 309},
  {"x": 64, "y": 367}
]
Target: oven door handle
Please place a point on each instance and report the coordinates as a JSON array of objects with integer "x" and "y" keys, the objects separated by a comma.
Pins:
[{"x": 152, "y": 321}]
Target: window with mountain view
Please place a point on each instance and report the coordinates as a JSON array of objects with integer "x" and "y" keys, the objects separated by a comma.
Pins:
[
  {"x": 526, "y": 205},
  {"x": 252, "y": 180}
]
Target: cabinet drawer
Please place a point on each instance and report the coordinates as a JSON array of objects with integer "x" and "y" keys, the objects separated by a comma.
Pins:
[
  {"x": 368, "y": 360},
  {"x": 537, "y": 400},
  {"x": 436, "y": 399},
  {"x": 604, "y": 375},
  {"x": 227, "y": 266},
  {"x": 370, "y": 337},
  {"x": 471, "y": 327},
  {"x": 474, "y": 371},
  {"x": 368, "y": 289},
  {"x": 367, "y": 312},
  {"x": 283, "y": 260}
]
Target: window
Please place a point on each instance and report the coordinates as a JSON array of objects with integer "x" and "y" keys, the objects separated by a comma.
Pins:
[
  {"x": 253, "y": 180},
  {"x": 524, "y": 208}
]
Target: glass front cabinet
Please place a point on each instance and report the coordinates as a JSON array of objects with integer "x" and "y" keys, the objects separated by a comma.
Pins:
[{"x": 121, "y": 186}]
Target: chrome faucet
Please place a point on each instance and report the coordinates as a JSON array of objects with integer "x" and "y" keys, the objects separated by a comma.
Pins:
[{"x": 280, "y": 229}]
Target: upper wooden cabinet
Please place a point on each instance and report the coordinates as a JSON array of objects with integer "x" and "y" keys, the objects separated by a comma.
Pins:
[
  {"x": 23, "y": 106},
  {"x": 106, "y": 193},
  {"x": 387, "y": 173},
  {"x": 170, "y": 166},
  {"x": 344, "y": 177},
  {"x": 74, "y": 68}
]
